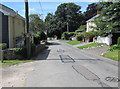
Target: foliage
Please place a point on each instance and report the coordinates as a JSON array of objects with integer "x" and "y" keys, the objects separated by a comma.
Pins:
[
  {"x": 91, "y": 11},
  {"x": 67, "y": 35},
  {"x": 88, "y": 35},
  {"x": 66, "y": 13},
  {"x": 74, "y": 42},
  {"x": 39, "y": 36},
  {"x": 108, "y": 20},
  {"x": 79, "y": 37},
  {"x": 3, "y": 45},
  {"x": 82, "y": 28},
  {"x": 112, "y": 55},
  {"x": 91, "y": 45},
  {"x": 36, "y": 24},
  {"x": 114, "y": 47},
  {"x": 118, "y": 41}
]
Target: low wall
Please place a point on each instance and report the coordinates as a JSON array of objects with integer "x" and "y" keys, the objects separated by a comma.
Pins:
[
  {"x": 107, "y": 40},
  {"x": 10, "y": 54},
  {"x": 39, "y": 48}
]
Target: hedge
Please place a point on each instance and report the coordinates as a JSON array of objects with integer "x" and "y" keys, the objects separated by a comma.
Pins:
[{"x": 67, "y": 35}]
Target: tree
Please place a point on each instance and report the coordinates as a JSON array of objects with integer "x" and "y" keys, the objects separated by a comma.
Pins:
[
  {"x": 91, "y": 11},
  {"x": 109, "y": 19},
  {"x": 36, "y": 24},
  {"x": 69, "y": 13}
]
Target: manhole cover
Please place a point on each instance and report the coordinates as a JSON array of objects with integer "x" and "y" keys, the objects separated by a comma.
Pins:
[{"x": 112, "y": 79}]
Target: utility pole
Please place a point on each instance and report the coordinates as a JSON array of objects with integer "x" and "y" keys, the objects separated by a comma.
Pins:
[
  {"x": 28, "y": 43},
  {"x": 67, "y": 27}
]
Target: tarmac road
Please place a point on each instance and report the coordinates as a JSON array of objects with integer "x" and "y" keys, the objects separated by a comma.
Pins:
[{"x": 62, "y": 65}]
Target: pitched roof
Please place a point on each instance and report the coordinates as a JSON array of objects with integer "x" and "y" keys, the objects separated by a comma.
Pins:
[
  {"x": 92, "y": 19},
  {"x": 8, "y": 11}
]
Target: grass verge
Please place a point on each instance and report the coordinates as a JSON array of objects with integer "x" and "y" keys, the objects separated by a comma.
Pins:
[
  {"x": 91, "y": 45},
  {"x": 13, "y": 62},
  {"x": 74, "y": 42},
  {"x": 113, "y": 55}
]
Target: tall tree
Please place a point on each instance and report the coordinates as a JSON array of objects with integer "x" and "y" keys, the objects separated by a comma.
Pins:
[
  {"x": 69, "y": 13},
  {"x": 91, "y": 10},
  {"x": 109, "y": 19},
  {"x": 36, "y": 24}
]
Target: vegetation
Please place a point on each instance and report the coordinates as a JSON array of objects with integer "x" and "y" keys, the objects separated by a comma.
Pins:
[
  {"x": 82, "y": 28},
  {"x": 67, "y": 35},
  {"x": 91, "y": 45},
  {"x": 66, "y": 13},
  {"x": 3, "y": 45},
  {"x": 36, "y": 24},
  {"x": 85, "y": 36},
  {"x": 108, "y": 20},
  {"x": 74, "y": 42},
  {"x": 13, "y": 62},
  {"x": 113, "y": 55},
  {"x": 91, "y": 11},
  {"x": 39, "y": 36}
]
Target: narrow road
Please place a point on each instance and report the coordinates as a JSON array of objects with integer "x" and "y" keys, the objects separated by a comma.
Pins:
[{"x": 62, "y": 65}]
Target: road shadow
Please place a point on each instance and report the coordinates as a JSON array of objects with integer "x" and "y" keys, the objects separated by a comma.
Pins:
[
  {"x": 52, "y": 43},
  {"x": 43, "y": 55}
]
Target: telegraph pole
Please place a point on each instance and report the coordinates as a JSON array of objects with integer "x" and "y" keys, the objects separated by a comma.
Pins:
[
  {"x": 67, "y": 27},
  {"x": 28, "y": 44}
]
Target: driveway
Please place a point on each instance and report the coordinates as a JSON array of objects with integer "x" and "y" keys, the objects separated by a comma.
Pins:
[{"x": 62, "y": 65}]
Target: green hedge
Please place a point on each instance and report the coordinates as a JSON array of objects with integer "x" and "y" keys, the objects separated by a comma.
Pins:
[
  {"x": 85, "y": 35},
  {"x": 80, "y": 37},
  {"x": 67, "y": 35}
]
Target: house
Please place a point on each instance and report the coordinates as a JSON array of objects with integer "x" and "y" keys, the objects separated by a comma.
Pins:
[
  {"x": 12, "y": 27},
  {"x": 110, "y": 39},
  {"x": 90, "y": 24}
]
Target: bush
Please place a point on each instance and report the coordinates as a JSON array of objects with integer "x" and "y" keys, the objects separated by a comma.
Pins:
[
  {"x": 67, "y": 35},
  {"x": 118, "y": 41},
  {"x": 114, "y": 47},
  {"x": 39, "y": 37},
  {"x": 79, "y": 37},
  {"x": 3, "y": 45}
]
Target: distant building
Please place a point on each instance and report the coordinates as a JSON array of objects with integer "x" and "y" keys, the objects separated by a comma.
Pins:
[
  {"x": 90, "y": 24},
  {"x": 110, "y": 39},
  {"x": 12, "y": 27}
]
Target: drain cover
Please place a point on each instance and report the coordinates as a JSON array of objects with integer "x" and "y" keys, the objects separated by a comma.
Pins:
[{"x": 112, "y": 79}]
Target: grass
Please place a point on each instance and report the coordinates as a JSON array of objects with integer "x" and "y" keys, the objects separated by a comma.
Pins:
[
  {"x": 13, "y": 62},
  {"x": 113, "y": 55},
  {"x": 91, "y": 45},
  {"x": 74, "y": 42}
]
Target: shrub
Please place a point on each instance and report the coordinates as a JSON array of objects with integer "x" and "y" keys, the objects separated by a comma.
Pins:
[
  {"x": 118, "y": 41},
  {"x": 39, "y": 37},
  {"x": 43, "y": 36},
  {"x": 79, "y": 37},
  {"x": 67, "y": 35},
  {"x": 114, "y": 47},
  {"x": 3, "y": 45}
]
